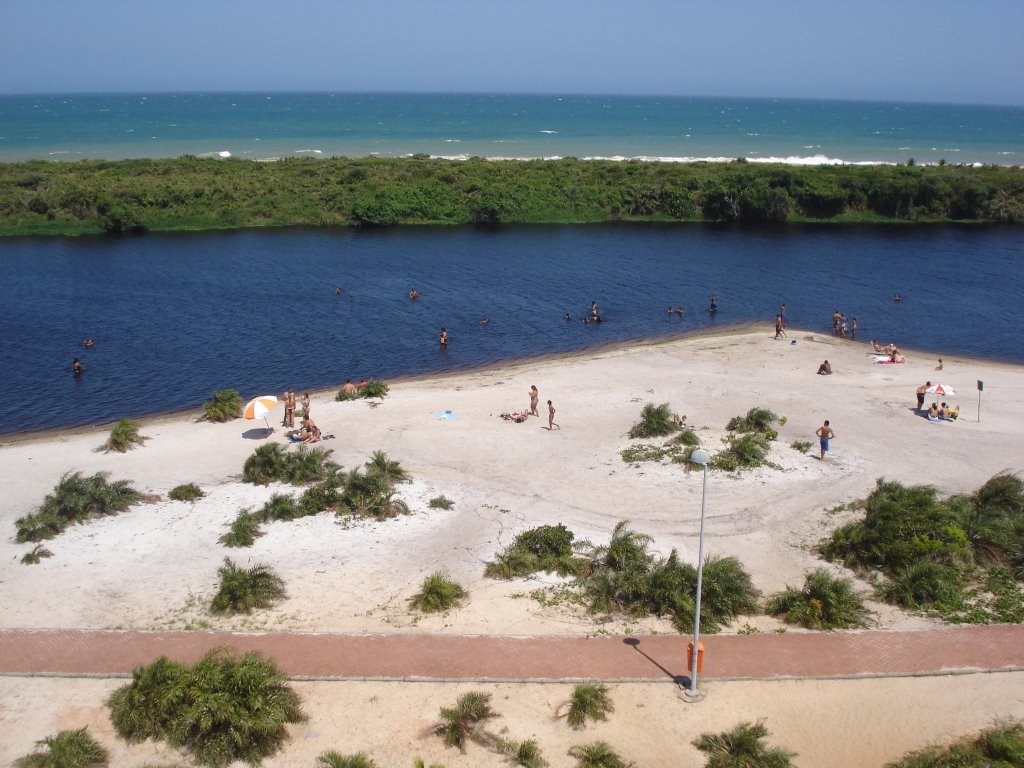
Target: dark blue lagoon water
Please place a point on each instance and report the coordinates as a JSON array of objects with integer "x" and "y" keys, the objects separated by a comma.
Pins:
[{"x": 176, "y": 316}]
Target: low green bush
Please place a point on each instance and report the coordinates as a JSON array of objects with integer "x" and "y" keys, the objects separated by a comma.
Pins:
[
  {"x": 825, "y": 602},
  {"x": 526, "y": 754},
  {"x": 440, "y": 502},
  {"x": 745, "y": 452},
  {"x": 381, "y": 466},
  {"x": 597, "y": 755},
  {"x": 280, "y": 506},
  {"x": 223, "y": 405},
  {"x": 374, "y": 389},
  {"x": 221, "y": 709},
  {"x": 271, "y": 463},
  {"x": 757, "y": 420},
  {"x": 123, "y": 437},
  {"x": 438, "y": 593},
  {"x": 338, "y": 760},
  {"x": 370, "y": 494},
  {"x": 655, "y": 421},
  {"x": 35, "y": 555},
  {"x": 742, "y": 746},
  {"x": 243, "y": 531},
  {"x": 801, "y": 445},
  {"x": 999, "y": 746},
  {"x": 187, "y": 492},
  {"x": 75, "y": 499},
  {"x": 546, "y": 548},
  {"x": 243, "y": 590},
  {"x": 466, "y": 721},
  {"x": 66, "y": 749},
  {"x": 589, "y": 701}
]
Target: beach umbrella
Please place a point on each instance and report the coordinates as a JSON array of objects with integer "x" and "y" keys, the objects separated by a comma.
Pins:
[
  {"x": 259, "y": 407},
  {"x": 941, "y": 389}
]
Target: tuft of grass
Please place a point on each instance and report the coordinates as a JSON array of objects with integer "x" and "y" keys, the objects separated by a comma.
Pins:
[
  {"x": 35, "y": 555},
  {"x": 635, "y": 454},
  {"x": 597, "y": 755},
  {"x": 338, "y": 760},
  {"x": 825, "y": 602},
  {"x": 589, "y": 700},
  {"x": 466, "y": 720},
  {"x": 999, "y": 746},
  {"x": 801, "y": 445},
  {"x": 76, "y": 499},
  {"x": 655, "y": 421},
  {"x": 243, "y": 590},
  {"x": 221, "y": 709},
  {"x": 187, "y": 492},
  {"x": 223, "y": 405},
  {"x": 526, "y": 754},
  {"x": 438, "y": 593},
  {"x": 742, "y": 746},
  {"x": 124, "y": 436},
  {"x": 66, "y": 749},
  {"x": 441, "y": 502},
  {"x": 243, "y": 531}
]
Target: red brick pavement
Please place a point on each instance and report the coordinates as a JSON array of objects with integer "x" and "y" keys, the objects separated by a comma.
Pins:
[{"x": 491, "y": 658}]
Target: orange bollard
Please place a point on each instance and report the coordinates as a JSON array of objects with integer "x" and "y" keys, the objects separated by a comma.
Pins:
[{"x": 700, "y": 657}]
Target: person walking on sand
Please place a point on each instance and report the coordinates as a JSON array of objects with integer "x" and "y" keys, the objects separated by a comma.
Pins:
[
  {"x": 551, "y": 417},
  {"x": 534, "y": 396},
  {"x": 824, "y": 433},
  {"x": 779, "y": 329},
  {"x": 289, "y": 409},
  {"x": 305, "y": 404},
  {"x": 921, "y": 393}
]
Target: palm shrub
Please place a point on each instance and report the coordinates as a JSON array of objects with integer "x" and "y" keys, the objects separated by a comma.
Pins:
[
  {"x": 589, "y": 700},
  {"x": 727, "y": 591},
  {"x": 66, "y": 749},
  {"x": 280, "y": 506},
  {"x": 825, "y": 602},
  {"x": 268, "y": 463},
  {"x": 466, "y": 721},
  {"x": 337, "y": 760},
  {"x": 999, "y": 746},
  {"x": 524, "y": 753},
  {"x": 759, "y": 420},
  {"x": 223, "y": 405},
  {"x": 221, "y": 709},
  {"x": 655, "y": 421},
  {"x": 744, "y": 452},
  {"x": 597, "y": 755},
  {"x": 243, "y": 531},
  {"x": 547, "y": 548},
  {"x": 74, "y": 500},
  {"x": 994, "y": 522},
  {"x": 308, "y": 465},
  {"x": 370, "y": 495},
  {"x": 187, "y": 492},
  {"x": 242, "y": 590},
  {"x": 124, "y": 436},
  {"x": 319, "y": 497},
  {"x": 376, "y": 389},
  {"x": 438, "y": 593},
  {"x": 35, "y": 555},
  {"x": 380, "y": 465},
  {"x": 922, "y": 585},
  {"x": 742, "y": 747},
  {"x": 441, "y": 502}
]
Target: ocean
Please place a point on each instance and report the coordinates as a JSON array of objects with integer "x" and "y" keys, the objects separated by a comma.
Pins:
[
  {"x": 175, "y": 316},
  {"x": 268, "y": 126}
]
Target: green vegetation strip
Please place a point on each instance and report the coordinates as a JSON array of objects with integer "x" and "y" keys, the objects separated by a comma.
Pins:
[{"x": 187, "y": 193}]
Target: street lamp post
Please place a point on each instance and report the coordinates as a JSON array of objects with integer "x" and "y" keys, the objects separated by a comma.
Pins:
[{"x": 700, "y": 456}]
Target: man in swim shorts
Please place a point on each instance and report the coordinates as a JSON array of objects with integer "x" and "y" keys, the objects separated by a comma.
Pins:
[
  {"x": 824, "y": 433},
  {"x": 920, "y": 395}
]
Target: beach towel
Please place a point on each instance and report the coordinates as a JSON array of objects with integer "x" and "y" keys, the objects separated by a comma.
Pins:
[
  {"x": 883, "y": 360},
  {"x": 935, "y": 420},
  {"x": 446, "y": 415}
]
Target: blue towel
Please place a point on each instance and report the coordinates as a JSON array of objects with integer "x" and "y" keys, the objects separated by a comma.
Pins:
[{"x": 446, "y": 415}]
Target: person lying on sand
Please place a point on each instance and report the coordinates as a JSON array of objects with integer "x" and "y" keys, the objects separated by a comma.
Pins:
[
  {"x": 516, "y": 416},
  {"x": 952, "y": 414}
]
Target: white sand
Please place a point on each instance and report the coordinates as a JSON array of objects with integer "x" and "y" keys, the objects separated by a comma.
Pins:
[{"x": 155, "y": 565}]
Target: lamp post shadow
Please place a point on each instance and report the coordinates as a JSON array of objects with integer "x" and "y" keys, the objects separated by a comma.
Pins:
[{"x": 680, "y": 680}]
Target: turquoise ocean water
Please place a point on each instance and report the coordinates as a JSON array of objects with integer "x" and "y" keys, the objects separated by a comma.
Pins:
[{"x": 277, "y": 125}]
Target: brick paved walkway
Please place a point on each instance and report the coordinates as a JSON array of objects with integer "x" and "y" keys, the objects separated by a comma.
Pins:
[{"x": 71, "y": 653}]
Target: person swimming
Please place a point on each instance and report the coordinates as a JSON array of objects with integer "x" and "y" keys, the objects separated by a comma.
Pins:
[
  {"x": 714, "y": 304},
  {"x": 87, "y": 343}
]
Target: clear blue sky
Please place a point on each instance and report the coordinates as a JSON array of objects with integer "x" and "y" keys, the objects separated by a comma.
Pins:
[{"x": 969, "y": 51}]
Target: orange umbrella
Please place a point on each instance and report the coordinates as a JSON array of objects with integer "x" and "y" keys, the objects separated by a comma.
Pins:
[{"x": 259, "y": 407}]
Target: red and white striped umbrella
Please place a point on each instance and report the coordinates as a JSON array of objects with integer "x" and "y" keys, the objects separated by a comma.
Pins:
[
  {"x": 941, "y": 389},
  {"x": 259, "y": 407}
]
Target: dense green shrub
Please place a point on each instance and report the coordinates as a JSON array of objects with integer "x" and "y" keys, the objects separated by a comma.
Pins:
[
  {"x": 271, "y": 463},
  {"x": 441, "y": 502},
  {"x": 597, "y": 755},
  {"x": 466, "y": 721},
  {"x": 268, "y": 464},
  {"x": 124, "y": 436},
  {"x": 745, "y": 452},
  {"x": 187, "y": 492},
  {"x": 438, "y": 593},
  {"x": 381, "y": 466},
  {"x": 66, "y": 749},
  {"x": 374, "y": 389},
  {"x": 825, "y": 602},
  {"x": 338, "y": 760},
  {"x": 757, "y": 419},
  {"x": 221, "y": 709},
  {"x": 1000, "y": 746},
  {"x": 223, "y": 405},
  {"x": 370, "y": 494},
  {"x": 243, "y": 590},
  {"x": 75, "y": 499},
  {"x": 742, "y": 747},
  {"x": 546, "y": 548},
  {"x": 655, "y": 421},
  {"x": 280, "y": 506}
]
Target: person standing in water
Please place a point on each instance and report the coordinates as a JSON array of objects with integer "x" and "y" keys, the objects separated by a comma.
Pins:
[
  {"x": 443, "y": 339},
  {"x": 76, "y": 367},
  {"x": 714, "y": 303}
]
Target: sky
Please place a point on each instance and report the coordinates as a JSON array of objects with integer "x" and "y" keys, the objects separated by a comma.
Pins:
[{"x": 954, "y": 51}]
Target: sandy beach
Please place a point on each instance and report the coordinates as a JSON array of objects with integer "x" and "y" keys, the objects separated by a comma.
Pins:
[{"x": 154, "y": 566}]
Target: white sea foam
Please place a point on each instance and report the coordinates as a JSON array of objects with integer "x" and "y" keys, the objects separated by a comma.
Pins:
[
  {"x": 223, "y": 153},
  {"x": 309, "y": 151},
  {"x": 453, "y": 141},
  {"x": 549, "y": 131}
]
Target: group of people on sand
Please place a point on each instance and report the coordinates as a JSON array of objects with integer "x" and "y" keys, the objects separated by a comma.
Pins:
[
  {"x": 520, "y": 416},
  {"x": 843, "y": 326},
  {"x": 936, "y": 412},
  {"x": 889, "y": 350},
  {"x": 309, "y": 432}
]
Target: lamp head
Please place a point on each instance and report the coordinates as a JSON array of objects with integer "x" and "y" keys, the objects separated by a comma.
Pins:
[{"x": 700, "y": 456}]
